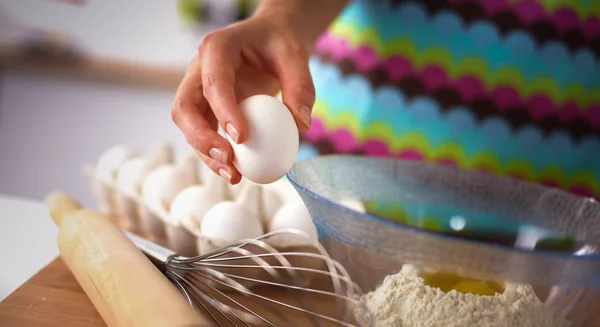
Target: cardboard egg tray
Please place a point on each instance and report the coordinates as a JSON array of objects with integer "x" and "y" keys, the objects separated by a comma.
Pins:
[{"x": 131, "y": 212}]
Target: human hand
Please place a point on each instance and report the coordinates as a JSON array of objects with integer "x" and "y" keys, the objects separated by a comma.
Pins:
[{"x": 261, "y": 55}]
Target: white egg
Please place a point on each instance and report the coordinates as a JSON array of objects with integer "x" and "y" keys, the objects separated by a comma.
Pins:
[
  {"x": 190, "y": 162},
  {"x": 163, "y": 153},
  {"x": 293, "y": 215},
  {"x": 230, "y": 221},
  {"x": 131, "y": 176},
  {"x": 260, "y": 199},
  {"x": 190, "y": 205},
  {"x": 110, "y": 161},
  {"x": 285, "y": 190},
  {"x": 162, "y": 186},
  {"x": 270, "y": 203},
  {"x": 133, "y": 172},
  {"x": 234, "y": 191},
  {"x": 204, "y": 172},
  {"x": 273, "y": 140}
]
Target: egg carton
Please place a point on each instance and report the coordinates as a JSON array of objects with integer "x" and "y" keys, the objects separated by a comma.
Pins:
[{"x": 173, "y": 202}]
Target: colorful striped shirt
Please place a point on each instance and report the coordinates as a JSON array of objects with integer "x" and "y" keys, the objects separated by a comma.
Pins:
[{"x": 507, "y": 86}]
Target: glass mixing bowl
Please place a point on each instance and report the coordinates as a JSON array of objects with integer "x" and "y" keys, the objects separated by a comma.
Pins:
[{"x": 443, "y": 218}]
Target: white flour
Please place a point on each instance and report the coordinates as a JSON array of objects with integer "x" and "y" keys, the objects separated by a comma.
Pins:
[{"x": 403, "y": 300}]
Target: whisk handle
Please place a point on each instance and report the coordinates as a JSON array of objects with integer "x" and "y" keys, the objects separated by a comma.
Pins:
[
  {"x": 125, "y": 288},
  {"x": 156, "y": 253}
]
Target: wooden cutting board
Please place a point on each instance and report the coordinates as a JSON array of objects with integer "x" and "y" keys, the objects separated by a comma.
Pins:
[{"x": 51, "y": 298}]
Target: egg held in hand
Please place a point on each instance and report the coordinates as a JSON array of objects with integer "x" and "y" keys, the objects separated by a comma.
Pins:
[{"x": 273, "y": 140}]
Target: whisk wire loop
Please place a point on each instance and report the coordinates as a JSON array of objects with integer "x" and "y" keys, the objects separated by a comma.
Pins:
[{"x": 227, "y": 283}]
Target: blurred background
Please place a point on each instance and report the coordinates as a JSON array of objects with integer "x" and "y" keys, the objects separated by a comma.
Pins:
[{"x": 78, "y": 76}]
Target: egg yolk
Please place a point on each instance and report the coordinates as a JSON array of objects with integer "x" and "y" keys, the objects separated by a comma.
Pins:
[{"x": 449, "y": 281}]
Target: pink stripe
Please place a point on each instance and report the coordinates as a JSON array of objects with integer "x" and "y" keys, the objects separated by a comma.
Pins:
[
  {"x": 549, "y": 183},
  {"x": 447, "y": 161},
  {"x": 377, "y": 148},
  {"x": 568, "y": 111},
  {"x": 410, "y": 154},
  {"x": 339, "y": 49},
  {"x": 434, "y": 77},
  {"x": 581, "y": 191},
  {"x": 495, "y": 6},
  {"x": 316, "y": 131},
  {"x": 365, "y": 58},
  {"x": 565, "y": 20},
  {"x": 469, "y": 87},
  {"x": 540, "y": 106},
  {"x": 397, "y": 68},
  {"x": 531, "y": 11},
  {"x": 505, "y": 97},
  {"x": 343, "y": 141},
  {"x": 591, "y": 28},
  {"x": 593, "y": 115}
]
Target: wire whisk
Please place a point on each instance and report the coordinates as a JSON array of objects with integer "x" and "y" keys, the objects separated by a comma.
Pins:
[{"x": 250, "y": 283}]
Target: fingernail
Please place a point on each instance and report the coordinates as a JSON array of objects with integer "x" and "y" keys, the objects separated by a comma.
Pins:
[
  {"x": 305, "y": 115},
  {"x": 225, "y": 174},
  {"x": 233, "y": 132},
  {"x": 218, "y": 155}
]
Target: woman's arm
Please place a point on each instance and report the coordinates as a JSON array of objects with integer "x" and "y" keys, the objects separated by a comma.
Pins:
[
  {"x": 267, "y": 52},
  {"x": 309, "y": 17}
]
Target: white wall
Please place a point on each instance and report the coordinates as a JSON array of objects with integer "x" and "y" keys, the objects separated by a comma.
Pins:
[
  {"x": 51, "y": 127},
  {"x": 147, "y": 31}
]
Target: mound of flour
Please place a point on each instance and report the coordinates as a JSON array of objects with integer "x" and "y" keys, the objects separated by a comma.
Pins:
[{"x": 403, "y": 300}]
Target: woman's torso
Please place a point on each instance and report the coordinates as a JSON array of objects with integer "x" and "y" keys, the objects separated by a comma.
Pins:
[{"x": 507, "y": 86}]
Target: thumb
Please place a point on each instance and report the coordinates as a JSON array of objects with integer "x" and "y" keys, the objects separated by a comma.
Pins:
[{"x": 298, "y": 91}]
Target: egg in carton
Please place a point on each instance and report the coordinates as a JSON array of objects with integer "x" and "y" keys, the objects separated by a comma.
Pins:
[
  {"x": 272, "y": 143},
  {"x": 158, "y": 192},
  {"x": 166, "y": 202},
  {"x": 174, "y": 198},
  {"x": 103, "y": 179},
  {"x": 294, "y": 215},
  {"x": 188, "y": 209},
  {"x": 260, "y": 209},
  {"x": 130, "y": 179}
]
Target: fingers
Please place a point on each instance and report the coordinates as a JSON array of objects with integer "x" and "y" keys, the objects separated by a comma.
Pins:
[
  {"x": 298, "y": 91},
  {"x": 219, "y": 63},
  {"x": 229, "y": 174},
  {"x": 212, "y": 148},
  {"x": 190, "y": 113}
]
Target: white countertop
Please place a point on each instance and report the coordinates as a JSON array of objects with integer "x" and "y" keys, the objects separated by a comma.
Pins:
[{"x": 27, "y": 241}]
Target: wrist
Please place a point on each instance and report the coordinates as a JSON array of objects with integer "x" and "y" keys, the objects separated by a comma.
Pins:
[{"x": 305, "y": 19}]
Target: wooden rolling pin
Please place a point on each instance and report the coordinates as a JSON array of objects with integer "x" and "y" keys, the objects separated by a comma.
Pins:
[{"x": 124, "y": 286}]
